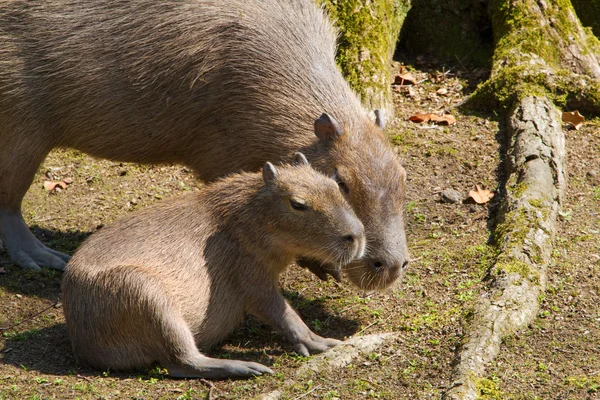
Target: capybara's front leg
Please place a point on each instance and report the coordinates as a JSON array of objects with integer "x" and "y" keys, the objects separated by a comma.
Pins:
[
  {"x": 21, "y": 153},
  {"x": 270, "y": 306}
]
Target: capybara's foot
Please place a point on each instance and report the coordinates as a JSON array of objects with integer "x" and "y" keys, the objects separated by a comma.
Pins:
[
  {"x": 314, "y": 344},
  {"x": 24, "y": 248},
  {"x": 321, "y": 270},
  {"x": 214, "y": 368}
]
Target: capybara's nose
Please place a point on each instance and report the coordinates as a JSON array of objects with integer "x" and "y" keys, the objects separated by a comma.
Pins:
[
  {"x": 350, "y": 238},
  {"x": 379, "y": 265}
]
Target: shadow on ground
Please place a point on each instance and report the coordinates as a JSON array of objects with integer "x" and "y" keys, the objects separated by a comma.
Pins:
[{"x": 46, "y": 283}]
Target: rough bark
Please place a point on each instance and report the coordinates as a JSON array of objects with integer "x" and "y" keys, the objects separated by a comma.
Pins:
[
  {"x": 532, "y": 195},
  {"x": 541, "y": 49},
  {"x": 369, "y": 31}
]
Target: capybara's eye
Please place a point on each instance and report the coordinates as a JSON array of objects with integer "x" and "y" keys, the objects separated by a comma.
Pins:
[
  {"x": 342, "y": 185},
  {"x": 298, "y": 205}
]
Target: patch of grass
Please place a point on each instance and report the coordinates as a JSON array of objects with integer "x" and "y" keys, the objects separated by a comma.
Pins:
[{"x": 21, "y": 336}]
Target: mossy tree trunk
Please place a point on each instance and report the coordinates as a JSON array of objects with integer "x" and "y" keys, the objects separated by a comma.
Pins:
[
  {"x": 544, "y": 59},
  {"x": 369, "y": 31}
]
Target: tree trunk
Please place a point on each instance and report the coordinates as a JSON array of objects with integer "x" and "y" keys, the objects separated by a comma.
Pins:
[
  {"x": 543, "y": 58},
  {"x": 368, "y": 34}
]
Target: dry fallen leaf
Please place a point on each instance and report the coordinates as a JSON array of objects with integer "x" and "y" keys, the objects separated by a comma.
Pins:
[
  {"x": 480, "y": 196},
  {"x": 442, "y": 91},
  {"x": 2, "y": 270},
  {"x": 54, "y": 186},
  {"x": 443, "y": 120},
  {"x": 438, "y": 119},
  {"x": 404, "y": 79},
  {"x": 419, "y": 118},
  {"x": 573, "y": 118}
]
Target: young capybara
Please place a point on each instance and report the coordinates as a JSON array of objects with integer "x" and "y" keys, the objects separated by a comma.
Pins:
[
  {"x": 179, "y": 276},
  {"x": 219, "y": 85}
]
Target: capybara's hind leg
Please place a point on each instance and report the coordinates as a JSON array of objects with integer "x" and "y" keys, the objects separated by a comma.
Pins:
[
  {"x": 214, "y": 368},
  {"x": 187, "y": 361},
  {"x": 20, "y": 156}
]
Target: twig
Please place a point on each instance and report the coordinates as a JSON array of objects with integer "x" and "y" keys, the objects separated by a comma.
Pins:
[
  {"x": 6, "y": 328},
  {"x": 307, "y": 393},
  {"x": 371, "y": 382},
  {"x": 460, "y": 62},
  {"x": 84, "y": 378},
  {"x": 367, "y": 327},
  {"x": 211, "y": 386},
  {"x": 450, "y": 107}
]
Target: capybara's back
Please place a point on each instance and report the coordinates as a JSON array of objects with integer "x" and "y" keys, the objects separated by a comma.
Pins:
[{"x": 167, "y": 81}]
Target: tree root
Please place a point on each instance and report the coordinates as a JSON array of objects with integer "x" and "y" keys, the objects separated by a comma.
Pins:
[{"x": 533, "y": 192}]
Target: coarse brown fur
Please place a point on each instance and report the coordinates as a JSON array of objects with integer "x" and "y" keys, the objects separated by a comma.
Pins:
[
  {"x": 158, "y": 285},
  {"x": 218, "y": 85}
]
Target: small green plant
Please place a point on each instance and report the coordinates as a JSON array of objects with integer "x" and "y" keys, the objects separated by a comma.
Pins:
[
  {"x": 188, "y": 394},
  {"x": 420, "y": 217},
  {"x": 317, "y": 325}
]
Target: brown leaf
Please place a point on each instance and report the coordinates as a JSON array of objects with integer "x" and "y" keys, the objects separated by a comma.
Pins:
[
  {"x": 437, "y": 119},
  {"x": 443, "y": 120},
  {"x": 2, "y": 270},
  {"x": 480, "y": 196},
  {"x": 49, "y": 185},
  {"x": 404, "y": 79},
  {"x": 418, "y": 118},
  {"x": 573, "y": 118},
  {"x": 54, "y": 186}
]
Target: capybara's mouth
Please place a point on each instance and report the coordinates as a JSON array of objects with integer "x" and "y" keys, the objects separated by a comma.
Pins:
[{"x": 367, "y": 275}]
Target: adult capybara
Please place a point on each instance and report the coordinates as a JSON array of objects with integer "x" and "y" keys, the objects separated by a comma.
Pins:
[
  {"x": 219, "y": 85},
  {"x": 179, "y": 276}
]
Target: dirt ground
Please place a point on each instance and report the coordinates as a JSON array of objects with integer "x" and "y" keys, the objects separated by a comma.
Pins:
[{"x": 556, "y": 357}]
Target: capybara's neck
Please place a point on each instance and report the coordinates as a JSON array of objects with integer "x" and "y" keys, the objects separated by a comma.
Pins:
[{"x": 241, "y": 206}]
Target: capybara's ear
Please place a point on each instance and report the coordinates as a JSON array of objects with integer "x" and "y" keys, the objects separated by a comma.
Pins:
[
  {"x": 327, "y": 128},
  {"x": 300, "y": 159},
  {"x": 269, "y": 173},
  {"x": 380, "y": 118}
]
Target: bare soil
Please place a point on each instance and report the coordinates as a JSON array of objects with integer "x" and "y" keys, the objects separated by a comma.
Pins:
[{"x": 557, "y": 357}]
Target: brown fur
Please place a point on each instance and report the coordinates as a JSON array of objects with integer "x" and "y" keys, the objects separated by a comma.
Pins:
[
  {"x": 219, "y": 85},
  {"x": 179, "y": 276}
]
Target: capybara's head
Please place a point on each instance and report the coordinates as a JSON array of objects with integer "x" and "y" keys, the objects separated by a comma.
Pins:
[
  {"x": 308, "y": 215},
  {"x": 371, "y": 178}
]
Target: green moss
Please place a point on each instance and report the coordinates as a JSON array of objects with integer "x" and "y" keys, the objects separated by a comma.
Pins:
[
  {"x": 369, "y": 31},
  {"x": 513, "y": 230},
  {"x": 524, "y": 270},
  {"x": 537, "y": 203},
  {"x": 489, "y": 389},
  {"x": 518, "y": 190}
]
